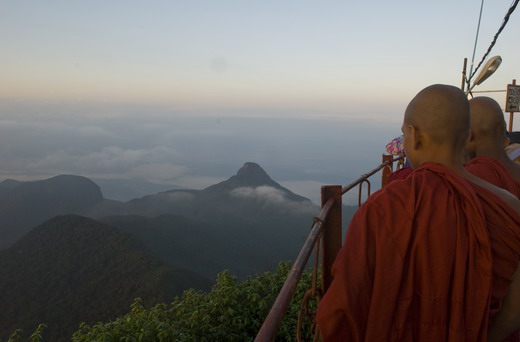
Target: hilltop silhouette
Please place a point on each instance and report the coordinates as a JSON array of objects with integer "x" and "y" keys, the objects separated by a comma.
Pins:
[
  {"x": 23, "y": 205},
  {"x": 72, "y": 269}
]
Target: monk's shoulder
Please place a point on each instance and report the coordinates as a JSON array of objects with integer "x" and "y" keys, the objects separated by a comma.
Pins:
[
  {"x": 394, "y": 197},
  {"x": 497, "y": 197},
  {"x": 414, "y": 180},
  {"x": 482, "y": 160},
  {"x": 484, "y": 164},
  {"x": 402, "y": 195}
]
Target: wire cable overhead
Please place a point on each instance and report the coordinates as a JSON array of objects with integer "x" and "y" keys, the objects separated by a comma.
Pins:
[{"x": 504, "y": 22}]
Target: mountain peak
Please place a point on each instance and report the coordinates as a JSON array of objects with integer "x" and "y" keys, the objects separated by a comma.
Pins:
[
  {"x": 253, "y": 171},
  {"x": 249, "y": 175}
]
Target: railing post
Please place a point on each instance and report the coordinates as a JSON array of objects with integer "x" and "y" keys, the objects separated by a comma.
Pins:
[
  {"x": 512, "y": 113},
  {"x": 332, "y": 234},
  {"x": 387, "y": 170}
]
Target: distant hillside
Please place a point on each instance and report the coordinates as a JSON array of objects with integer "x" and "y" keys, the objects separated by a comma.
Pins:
[
  {"x": 72, "y": 269},
  {"x": 128, "y": 189},
  {"x": 246, "y": 224},
  {"x": 251, "y": 189},
  {"x": 210, "y": 248},
  {"x": 23, "y": 205},
  {"x": 7, "y": 185}
]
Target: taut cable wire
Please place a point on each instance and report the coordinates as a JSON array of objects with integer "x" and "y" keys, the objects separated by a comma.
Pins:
[
  {"x": 476, "y": 40},
  {"x": 504, "y": 22}
]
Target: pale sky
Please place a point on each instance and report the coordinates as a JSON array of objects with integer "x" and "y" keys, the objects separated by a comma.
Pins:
[{"x": 78, "y": 77}]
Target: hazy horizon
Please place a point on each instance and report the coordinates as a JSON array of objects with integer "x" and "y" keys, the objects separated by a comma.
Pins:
[
  {"x": 184, "y": 93},
  {"x": 190, "y": 152}
]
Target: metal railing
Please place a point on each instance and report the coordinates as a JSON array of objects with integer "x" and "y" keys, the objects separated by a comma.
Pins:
[{"x": 327, "y": 227}]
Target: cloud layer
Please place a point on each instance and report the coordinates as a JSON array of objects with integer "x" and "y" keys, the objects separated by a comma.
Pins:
[
  {"x": 162, "y": 145},
  {"x": 269, "y": 196}
]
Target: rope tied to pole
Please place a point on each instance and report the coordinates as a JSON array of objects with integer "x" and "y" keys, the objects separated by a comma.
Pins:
[{"x": 306, "y": 313}]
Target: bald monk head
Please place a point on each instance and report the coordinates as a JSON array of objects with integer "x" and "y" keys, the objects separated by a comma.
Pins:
[
  {"x": 418, "y": 262},
  {"x": 489, "y": 134},
  {"x": 436, "y": 127}
]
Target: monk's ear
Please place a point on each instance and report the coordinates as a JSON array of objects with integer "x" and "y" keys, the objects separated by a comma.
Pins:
[
  {"x": 417, "y": 138},
  {"x": 471, "y": 137},
  {"x": 470, "y": 146},
  {"x": 470, "y": 140},
  {"x": 507, "y": 141}
]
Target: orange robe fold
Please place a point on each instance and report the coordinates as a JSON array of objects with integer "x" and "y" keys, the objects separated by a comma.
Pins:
[
  {"x": 416, "y": 265},
  {"x": 400, "y": 174},
  {"x": 504, "y": 234},
  {"x": 492, "y": 171}
]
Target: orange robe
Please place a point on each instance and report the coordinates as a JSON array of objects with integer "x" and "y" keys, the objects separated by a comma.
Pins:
[
  {"x": 492, "y": 171},
  {"x": 402, "y": 173},
  {"x": 504, "y": 235},
  {"x": 416, "y": 265}
]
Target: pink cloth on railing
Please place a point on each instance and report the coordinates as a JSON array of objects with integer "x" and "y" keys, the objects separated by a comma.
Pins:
[{"x": 396, "y": 146}]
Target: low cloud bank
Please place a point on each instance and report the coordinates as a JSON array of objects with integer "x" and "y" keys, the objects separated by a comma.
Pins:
[{"x": 268, "y": 195}]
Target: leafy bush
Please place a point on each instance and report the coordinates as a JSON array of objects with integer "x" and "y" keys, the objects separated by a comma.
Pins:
[
  {"x": 232, "y": 311},
  {"x": 36, "y": 336}
]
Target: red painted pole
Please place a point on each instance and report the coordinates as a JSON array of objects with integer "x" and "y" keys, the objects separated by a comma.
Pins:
[
  {"x": 332, "y": 234},
  {"x": 387, "y": 170},
  {"x": 511, "y": 115}
]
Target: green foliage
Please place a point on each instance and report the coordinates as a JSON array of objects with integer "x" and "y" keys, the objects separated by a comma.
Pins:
[
  {"x": 15, "y": 336},
  {"x": 36, "y": 336},
  {"x": 72, "y": 269},
  {"x": 232, "y": 311}
]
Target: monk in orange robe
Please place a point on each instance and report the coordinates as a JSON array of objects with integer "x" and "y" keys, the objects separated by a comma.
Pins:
[
  {"x": 487, "y": 146},
  {"x": 491, "y": 163},
  {"x": 417, "y": 261},
  {"x": 503, "y": 225}
]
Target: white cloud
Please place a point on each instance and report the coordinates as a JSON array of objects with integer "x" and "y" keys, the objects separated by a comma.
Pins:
[
  {"x": 106, "y": 159},
  {"x": 312, "y": 190},
  {"x": 262, "y": 193},
  {"x": 272, "y": 196},
  {"x": 168, "y": 147}
]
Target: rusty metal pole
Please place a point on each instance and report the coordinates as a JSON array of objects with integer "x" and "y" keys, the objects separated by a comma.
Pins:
[
  {"x": 332, "y": 235},
  {"x": 387, "y": 170},
  {"x": 511, "y": 114},
  {"x": 463, "y": 84}
]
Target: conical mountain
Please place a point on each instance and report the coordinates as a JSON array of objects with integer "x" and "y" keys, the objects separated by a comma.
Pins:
[
  {"x": 72, "y": 269},
  {"x": 243, "y": 191},
  {"x": 246, "y": 224},
  {"x": 251, "y": 175}
]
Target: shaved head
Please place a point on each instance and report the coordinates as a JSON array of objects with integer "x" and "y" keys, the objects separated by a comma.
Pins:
[
  {"x": 489, "y": 133},
  {"x": 489, "y": 137},
  {"x": 441, "y": 112},
  {"x": 487, "y": 119}
]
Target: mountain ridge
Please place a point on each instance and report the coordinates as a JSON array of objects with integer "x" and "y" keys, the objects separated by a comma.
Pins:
[
  {"x": 246, "y": 224},
  {"x": 85, "y": 271},
  {"x": 252, "y": 175},
  {"x": 27, "y": 204}
]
